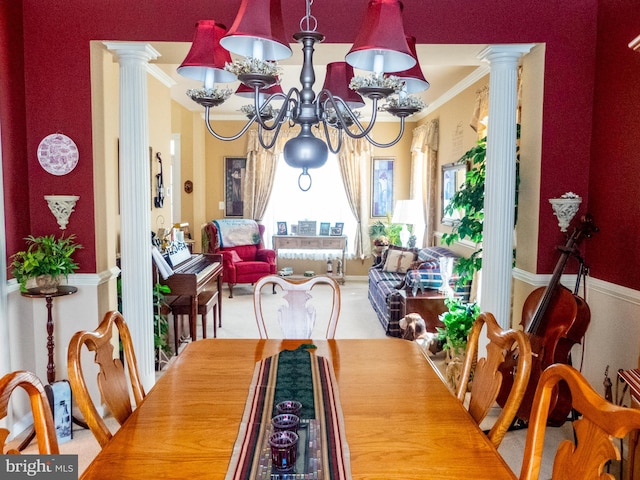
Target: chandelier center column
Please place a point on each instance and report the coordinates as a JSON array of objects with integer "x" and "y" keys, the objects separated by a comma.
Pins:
[
  {"x": 135, "y": 207},
  {"x": 500, "y": 180}
]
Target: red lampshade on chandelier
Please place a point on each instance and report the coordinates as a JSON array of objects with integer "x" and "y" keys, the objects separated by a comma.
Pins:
[
  {"x": 379, "y": 47},
  {"x": 258, "y": 35},
  {"x": 206, "y": 59},
  {"x": 252, "y": 35},
  {"x": 413, "y": 78},
  {"x": 337, "y": 79}
]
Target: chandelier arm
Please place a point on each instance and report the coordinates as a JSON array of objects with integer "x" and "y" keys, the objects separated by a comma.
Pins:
[
  {"x": 392, "y": 143},
  {"x": 328, "y": 139},
  {"x": 269, "y": 145},
  {"x": 262, "y": 122},
  {"x": 364, "y": 132},
  {"x": 220, "y": 137},
  {"x": 282, "y": 114}
]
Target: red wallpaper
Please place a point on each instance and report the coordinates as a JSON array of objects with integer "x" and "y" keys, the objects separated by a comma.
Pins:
[
  {"x": 58, "y": 91},
  {"x": 614, "y": 253},
  {"x": 12, "y": 114}
]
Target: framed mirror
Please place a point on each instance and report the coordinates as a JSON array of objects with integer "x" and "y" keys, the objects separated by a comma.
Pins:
[{"x": 453, "y": 176}]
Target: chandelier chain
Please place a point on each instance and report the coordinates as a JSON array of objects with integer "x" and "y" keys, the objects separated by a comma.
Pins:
[{"x": 308, "y": 20}]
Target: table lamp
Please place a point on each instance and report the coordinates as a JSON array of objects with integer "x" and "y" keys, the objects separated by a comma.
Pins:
[{"x": 407, "y": 212}]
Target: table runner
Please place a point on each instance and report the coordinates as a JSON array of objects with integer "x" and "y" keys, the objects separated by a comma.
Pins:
[{"x": 308, "y": 378}]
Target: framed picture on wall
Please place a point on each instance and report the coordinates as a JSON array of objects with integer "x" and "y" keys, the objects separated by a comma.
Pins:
[
  {"x": 453, "y": 177},
  {"x": 234, "y": 173},
  {"x": 381, "y": 187}
]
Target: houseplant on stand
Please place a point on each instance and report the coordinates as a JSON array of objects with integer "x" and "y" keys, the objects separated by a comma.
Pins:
[{"x": 45, "y": 260}]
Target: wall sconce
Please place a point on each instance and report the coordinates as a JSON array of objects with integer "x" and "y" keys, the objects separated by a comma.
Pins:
[
  {"x": 565, "y": 208},
  {"x": 61, "y": 206}
]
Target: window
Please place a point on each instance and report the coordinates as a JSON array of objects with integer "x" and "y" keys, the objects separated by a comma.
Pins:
[{"x": 325, "y": 201}]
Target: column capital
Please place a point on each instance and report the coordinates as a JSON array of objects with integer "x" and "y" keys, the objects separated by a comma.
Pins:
[
  {"x": 508, "y": 52},
  {"x": 133, "y": 50}
]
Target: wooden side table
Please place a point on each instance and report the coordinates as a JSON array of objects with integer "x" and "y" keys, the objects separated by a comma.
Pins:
[
  {"x": 429, "y": 304},
  {"x": 36, "y": 293},
  {"x": 63, "y": 290}
]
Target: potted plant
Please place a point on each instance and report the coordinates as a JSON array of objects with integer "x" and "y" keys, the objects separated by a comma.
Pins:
[
  {"x": 458, "y": 321},
  {"x": 384, "y": 235},
  {"x": 46, "y": 259}
]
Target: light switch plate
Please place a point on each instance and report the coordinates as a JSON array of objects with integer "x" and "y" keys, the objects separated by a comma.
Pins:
[{"x": 221, "y": 205}]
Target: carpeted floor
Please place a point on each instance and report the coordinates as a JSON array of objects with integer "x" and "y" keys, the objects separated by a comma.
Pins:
[{"x": 357, "y": 320}]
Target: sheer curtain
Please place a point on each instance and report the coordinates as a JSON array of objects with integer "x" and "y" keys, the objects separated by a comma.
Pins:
[
  {"x": 353, "y": 156},
  {"x": 424, "y": 175},
  {"x": 261, "y": 170},
  {"x": 481, "y": 112}
]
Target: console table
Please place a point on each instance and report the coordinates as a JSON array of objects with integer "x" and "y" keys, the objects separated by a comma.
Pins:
[{"x": 314, "y": 242}]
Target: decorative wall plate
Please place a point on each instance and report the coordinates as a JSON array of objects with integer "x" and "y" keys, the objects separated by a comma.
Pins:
[{"x": 58, "y": 154}]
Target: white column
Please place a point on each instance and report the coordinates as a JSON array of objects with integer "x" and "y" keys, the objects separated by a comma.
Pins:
[
  {"x": 500, "y": 182},
  {"x": 135, "y": 201}
]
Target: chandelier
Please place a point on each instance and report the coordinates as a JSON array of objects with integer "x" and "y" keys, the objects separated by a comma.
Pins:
[{"x": 257, "y": 35}]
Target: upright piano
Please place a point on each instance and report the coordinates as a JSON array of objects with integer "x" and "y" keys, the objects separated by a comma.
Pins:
[{"x": 199, "y": 272}]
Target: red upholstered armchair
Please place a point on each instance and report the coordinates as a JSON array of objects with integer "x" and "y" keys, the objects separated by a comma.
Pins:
[{"x": 245, "y": 260}]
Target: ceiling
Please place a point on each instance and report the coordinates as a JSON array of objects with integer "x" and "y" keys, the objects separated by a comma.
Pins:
[{"x": 444, "y": 66}]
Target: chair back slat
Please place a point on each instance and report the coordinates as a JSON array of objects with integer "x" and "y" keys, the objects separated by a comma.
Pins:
[
  {"x": 487, "y": 377},
  {"x": 112, "y": 376},
  {"x": 296, "y": 317},
  {"x": 601, "y": 421},
  {"x": 42, "y": 417}
]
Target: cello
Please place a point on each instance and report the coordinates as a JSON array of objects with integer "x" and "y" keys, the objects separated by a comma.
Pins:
[{"x": 554, "y": 319}]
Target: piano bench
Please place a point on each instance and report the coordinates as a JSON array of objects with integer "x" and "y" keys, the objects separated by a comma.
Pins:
[{"x": 207, "y": 300}]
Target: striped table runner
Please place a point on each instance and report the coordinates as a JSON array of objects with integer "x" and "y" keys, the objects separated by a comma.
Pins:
[
  {"x": 299, "y": 375},
  {"x": 632, "y": 377}
]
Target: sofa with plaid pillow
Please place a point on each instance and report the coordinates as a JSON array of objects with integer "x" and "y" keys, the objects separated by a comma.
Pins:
[{"x": 413, "y": 270}]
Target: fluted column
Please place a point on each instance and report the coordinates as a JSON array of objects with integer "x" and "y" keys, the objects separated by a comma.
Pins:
[
  {"x": 500, "y": 181},
  {"x": 135, "y": 198}
]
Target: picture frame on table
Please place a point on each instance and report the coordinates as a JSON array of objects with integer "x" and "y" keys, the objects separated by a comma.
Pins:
[
  {"x": 325, "y": 228},
  {"x": 453, "y": 178},
  {"x": 336, "y": 231},
  {"x": 234, "y": 173},
  {"x": 307, "y": 228},
  {"x": 382, "y": 187},
  {"x": 282, "y": 228}
]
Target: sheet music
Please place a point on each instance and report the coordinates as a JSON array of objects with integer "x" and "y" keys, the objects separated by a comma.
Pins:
[{"x": 163, "y": 267}]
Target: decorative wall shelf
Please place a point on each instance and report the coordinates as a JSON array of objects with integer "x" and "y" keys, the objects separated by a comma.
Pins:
[
  {"x": 61, "y": 206},
  {"x": 565, "y": 208}
]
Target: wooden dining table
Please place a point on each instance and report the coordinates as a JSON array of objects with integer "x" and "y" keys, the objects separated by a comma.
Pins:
[{"x": 400, "y": 419}]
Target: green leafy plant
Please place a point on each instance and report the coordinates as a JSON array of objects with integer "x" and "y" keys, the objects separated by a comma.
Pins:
[
  {"x": 469, "y": 203},
  {"x": 160, "y": 319},
  {"x": 390, "y": 232},
  {"x": 46, "y": 255},
  {"x": 457, "y": 324}
]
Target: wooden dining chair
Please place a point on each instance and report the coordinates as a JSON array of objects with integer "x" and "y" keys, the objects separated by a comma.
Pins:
[
  {"x": 600, "y": 422},
  {"x": 112, "y": 379},
  {"x": 42, "y": 416},
  {"x": 297, "y": 317},
  {"x": 487, "y": 378}
]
